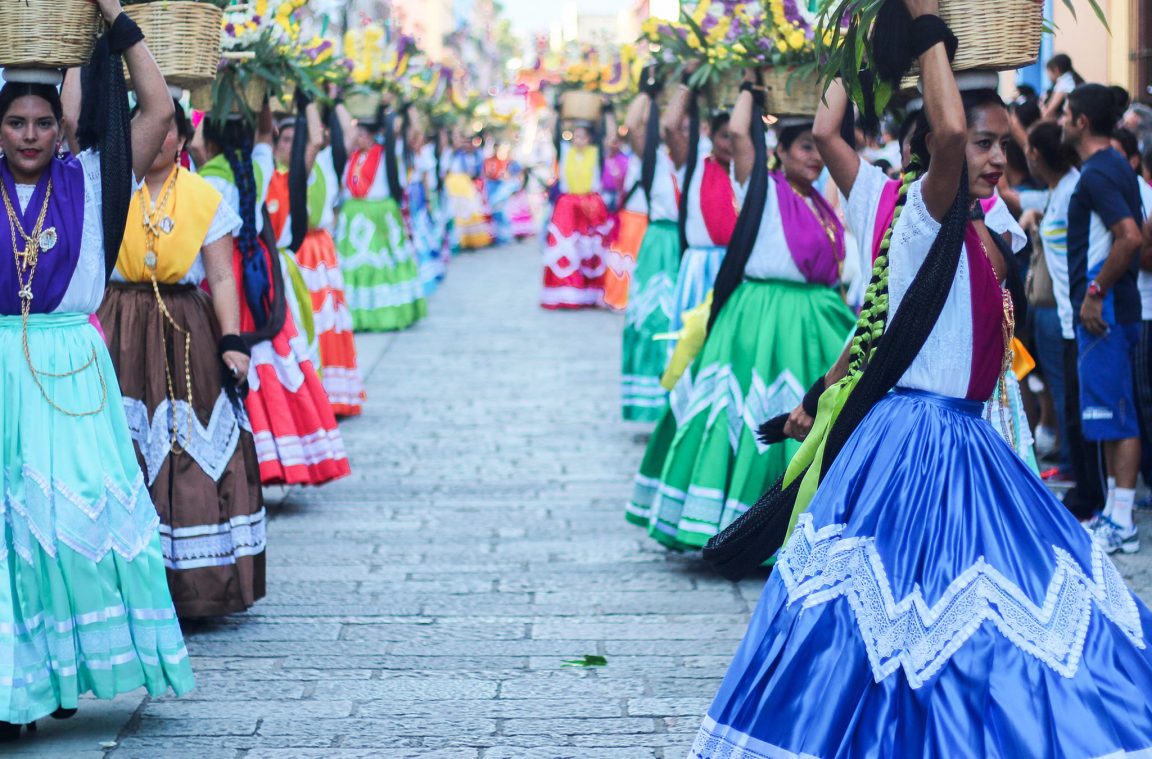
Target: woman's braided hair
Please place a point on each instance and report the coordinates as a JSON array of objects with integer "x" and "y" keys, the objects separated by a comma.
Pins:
[
  {"x": 689, "y": 166},
  {"x": 235, "y": 140}
]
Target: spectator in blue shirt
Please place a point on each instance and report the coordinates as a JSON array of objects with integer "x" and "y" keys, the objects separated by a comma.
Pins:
[{"x": 1104, "y": 220}]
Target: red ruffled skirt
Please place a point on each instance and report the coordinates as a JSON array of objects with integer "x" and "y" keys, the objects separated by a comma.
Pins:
[
  {"x": 293, "y": 426},
  {"x": 576, "y": 252},
  {"x": 338, "y": 370}
]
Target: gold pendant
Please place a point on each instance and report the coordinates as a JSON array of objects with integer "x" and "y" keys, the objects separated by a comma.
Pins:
[
  {"x": 167, "y": 224},
  {"x": 26, "y": 292},
  {"x": 47, "y": 239},
  {"x": 150, "y": 260}
]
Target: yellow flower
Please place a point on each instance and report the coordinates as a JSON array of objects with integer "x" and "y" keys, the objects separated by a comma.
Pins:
[{"x": 739, "y": 49}]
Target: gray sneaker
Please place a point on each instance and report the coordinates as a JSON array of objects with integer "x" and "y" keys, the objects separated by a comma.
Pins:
[{"x": 1112, "y": 537}]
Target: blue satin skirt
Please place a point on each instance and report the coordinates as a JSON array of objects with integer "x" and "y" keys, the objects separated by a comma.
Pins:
[{"x": 937, "y": 601}]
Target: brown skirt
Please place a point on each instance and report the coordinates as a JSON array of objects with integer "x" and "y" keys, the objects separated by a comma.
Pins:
[{"x": 207, "y": 487}]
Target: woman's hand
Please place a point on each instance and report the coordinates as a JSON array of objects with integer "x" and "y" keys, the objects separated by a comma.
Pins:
[
  {"x": 109, "y": 9},
  {"x": 1030, "y": 220},
  {"x": 237, "y": 363},
  {"x": 799, "y": 424},
  {"x": 918, "y": 8}
]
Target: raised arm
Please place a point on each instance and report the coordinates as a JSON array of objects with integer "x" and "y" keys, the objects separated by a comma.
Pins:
[
  {"x": 70, "y": 99},
  {"x": 265, "y": 129},
  {"x": 842, "y": 160},
  {"x": 315, "y": 135},
  {"x": 740, "y": 125},
  {"x": 636, "y": 121},
  {"x": 347, "y": 126},
  {"x": 670, "y": 132},
  {"x": 154, "y": 102},
  {"x": 949, "y": 127}
]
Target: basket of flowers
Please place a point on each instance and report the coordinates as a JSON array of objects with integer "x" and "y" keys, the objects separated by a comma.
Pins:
[
  {"x": 183, "y": 35},
  {"x": 48, "y": 33},
  {"x": 263, "y": 57},
  {"x": 993, "y": 36}
]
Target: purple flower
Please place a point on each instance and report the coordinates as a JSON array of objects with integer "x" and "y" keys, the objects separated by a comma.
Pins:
[{"x": 230, "y": 28}]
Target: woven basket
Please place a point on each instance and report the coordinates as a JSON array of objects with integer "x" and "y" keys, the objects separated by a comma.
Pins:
[
  {"x": 47, "y": 33},
  {"x": 577, "y": 105},
  {"x": 790, "y": 94},
  {"x": 363, "y": 105},
  {"x": 184, "y": 37},
  {"x": 994, "y": 36},
  {"x": 722, "y": 93},
  {"x": 253, "y": 96}
]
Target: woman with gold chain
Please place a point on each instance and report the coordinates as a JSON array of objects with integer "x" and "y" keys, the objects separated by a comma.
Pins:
[
  {"x": 777, "y": 322},
  {"x": 84, "y": 606},
  {"x": 180, "y": 361}
]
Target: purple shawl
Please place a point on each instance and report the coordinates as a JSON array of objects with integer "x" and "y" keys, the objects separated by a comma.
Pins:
[
  {"x": 817, "y": 257},
  {"x": 65, "y": 215}
]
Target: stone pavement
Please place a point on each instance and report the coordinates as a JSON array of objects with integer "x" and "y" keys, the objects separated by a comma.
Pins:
[{"x": 424, "y": 607}]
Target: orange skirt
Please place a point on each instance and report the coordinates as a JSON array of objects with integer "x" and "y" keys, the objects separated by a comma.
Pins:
[
  {"x": 630, "y": 228},
  {"x": 338, "y": 371}
]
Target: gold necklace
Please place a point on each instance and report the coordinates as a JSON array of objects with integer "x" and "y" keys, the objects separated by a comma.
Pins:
[
  {"x": 157, "y": 222},
  {"x": 27, "y": 261}
]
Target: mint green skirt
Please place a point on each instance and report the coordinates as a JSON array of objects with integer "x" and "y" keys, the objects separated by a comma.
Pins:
[{"x": 84, "y": 601}]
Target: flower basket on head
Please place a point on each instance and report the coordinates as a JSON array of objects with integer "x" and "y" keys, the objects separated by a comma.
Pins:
[
  {"x": 581, "y": 106},
  {"x": 363, "y": 104},
  {"x": 1000, "y": 36},
  {"x": 231, "y": 96},
  {"x": 992, "y": 36},
  {"x": 48, "y": 33},
  {"x": 184, "y": 36},
  {"x": 791, "y": 92}
]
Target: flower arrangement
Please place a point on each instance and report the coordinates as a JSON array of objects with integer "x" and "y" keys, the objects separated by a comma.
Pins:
[
  {"x": 727, "y": 35},
  {"x": 217, "y": 3},
  {"x": 261, "y": 52},
  {"x": 376, "y": 61},
  {"x": 843, "y": 29}
]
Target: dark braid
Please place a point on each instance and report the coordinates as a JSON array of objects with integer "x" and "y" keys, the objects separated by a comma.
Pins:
[
  {"x": 651, "y": 145},
  {"x": 298, "y": 175},
  {"x": 747, "y": 228},
  {"x": 235, "y": 140},
  {"x": 689, "y": 167},
  {"x": 436, "y": 154},
  {"x": 391, "y": 165},
  {"x": 106, "y": 126},
  {"x": 339, "y": 150},
  {"x": 405, "y": 126}
]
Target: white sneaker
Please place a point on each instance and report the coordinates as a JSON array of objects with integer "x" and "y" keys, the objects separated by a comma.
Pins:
[
  {"x": 1045, "y": 442},
  {"x": 1112, "y": 537}
]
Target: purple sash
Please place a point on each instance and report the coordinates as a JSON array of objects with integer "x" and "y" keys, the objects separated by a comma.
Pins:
[
  {"x": 815, "y": 255},
  {"x": 65, "y": 215}
]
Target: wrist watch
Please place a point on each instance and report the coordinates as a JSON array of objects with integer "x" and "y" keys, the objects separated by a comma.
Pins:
[{"x": 1095, "y": 290}]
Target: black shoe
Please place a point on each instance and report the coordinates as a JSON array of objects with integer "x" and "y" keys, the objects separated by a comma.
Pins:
[
  {"x": 10, "y": 732},
  {"x": 63, "y": 713}
]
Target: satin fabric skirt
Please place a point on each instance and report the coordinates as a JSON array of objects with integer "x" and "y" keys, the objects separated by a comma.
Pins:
[
  {"x": 212, "y": 519},
  {"x": 937, "y": 601},
  {"x": 649, "y": 313},
  {"x": 698, "y": 270},
  {"x": 627, "y": 236},
  {"x": 84, "y": 601}
]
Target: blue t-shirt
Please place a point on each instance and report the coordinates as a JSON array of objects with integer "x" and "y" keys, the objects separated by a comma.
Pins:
[{"x": 1107, "y": 193}]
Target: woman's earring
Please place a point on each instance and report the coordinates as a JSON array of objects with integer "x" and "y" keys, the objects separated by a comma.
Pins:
[{"x": 60, "y": 150}]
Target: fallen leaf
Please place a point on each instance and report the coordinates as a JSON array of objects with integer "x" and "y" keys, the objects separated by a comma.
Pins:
[{"x": 588, "y": 660}]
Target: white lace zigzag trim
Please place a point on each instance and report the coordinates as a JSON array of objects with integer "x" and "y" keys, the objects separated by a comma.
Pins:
[
  {"x": 821, "y": 566},
  {"x": 657, "y": 294},
  {"x": 51, "y": 513},
  {"x": 211, "y": 447},
  {"x": 716, "y": 390}
]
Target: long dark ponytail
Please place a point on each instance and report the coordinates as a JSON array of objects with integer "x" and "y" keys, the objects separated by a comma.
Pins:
[
  {"x": 747, "y": 229},
  {"x": 298, "y": 175},
  {"x": 391, "y": 162},
  {"x": 105, "y": 125},
  {"x": 689, "y": 166},
  {"x": 336, "y": 135}
]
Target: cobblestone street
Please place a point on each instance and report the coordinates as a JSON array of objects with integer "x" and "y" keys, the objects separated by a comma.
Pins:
[{"x": 425, "y": 606}]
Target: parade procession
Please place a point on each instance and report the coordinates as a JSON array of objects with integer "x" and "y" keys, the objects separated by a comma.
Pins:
[{"x": 720, "y": 379}]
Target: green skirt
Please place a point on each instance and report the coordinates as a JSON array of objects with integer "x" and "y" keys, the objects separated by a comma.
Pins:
[
  {"x": 381, "y": 274},
  {"x": 704, "y": 465},
  {"x": 649, "y": 313},
  {"x": 84, "y": 601}
]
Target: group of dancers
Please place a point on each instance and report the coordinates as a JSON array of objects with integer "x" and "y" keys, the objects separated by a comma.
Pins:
[{"x": 179, "y": 323}]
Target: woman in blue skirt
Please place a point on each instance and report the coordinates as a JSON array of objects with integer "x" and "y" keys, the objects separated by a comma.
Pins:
[{"x": 934, "y": 599}]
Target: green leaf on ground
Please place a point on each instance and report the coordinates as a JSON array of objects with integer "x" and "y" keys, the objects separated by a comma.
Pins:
[{"x": 588, "y": 660}]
